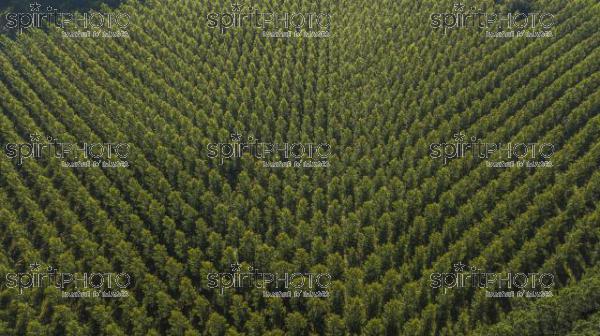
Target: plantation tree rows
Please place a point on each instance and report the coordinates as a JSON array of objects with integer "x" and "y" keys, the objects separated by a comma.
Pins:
[{"x": 380, "y": 219}]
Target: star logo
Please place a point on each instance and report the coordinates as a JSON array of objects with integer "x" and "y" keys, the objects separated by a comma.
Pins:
[
  {"x": 459, "y": 267},
  {"x": 458, "y": 7},
  {"x": 35, "y": 7},
  {"x": 459, "y": 137},
  {"x": 34, "y": 137},
  {"x": 235, "y": 137},
  {"x": 236, "y": 7},
  {"x": 235, "y": 267},
  {"x": 34, "y": 266}
]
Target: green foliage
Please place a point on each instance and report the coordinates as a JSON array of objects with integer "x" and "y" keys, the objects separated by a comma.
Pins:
[
  {"x": 23, "y": 6},
  {"x": 379, "y": 220}
]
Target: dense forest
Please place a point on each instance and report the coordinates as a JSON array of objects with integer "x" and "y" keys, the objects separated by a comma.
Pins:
[
  {"x": 194, "y": 202},
  {"x": 81, "y": 5}
]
